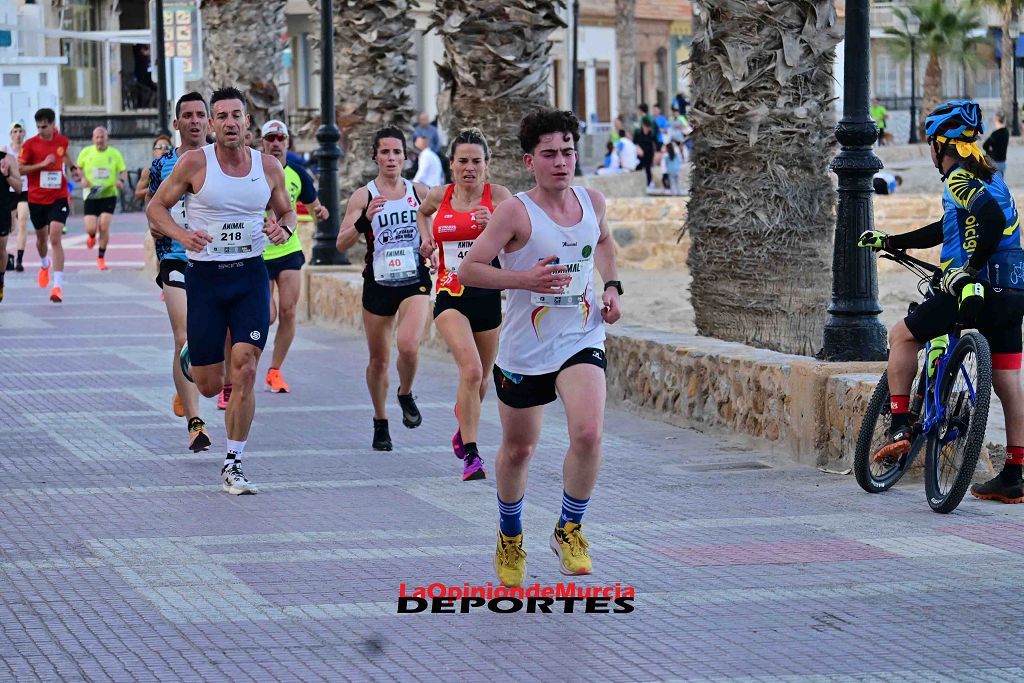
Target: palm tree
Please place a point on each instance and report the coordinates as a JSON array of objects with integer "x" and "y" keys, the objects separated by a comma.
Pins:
[
  {"x": 495, "y": 71},
  {"x": 762, "y": 205},
  {"x": 1008, "y": 11},
  {"x": 625, "y": 48},
  {"x": 242, "y": 47},
  {"x": 947, "y": 30}
]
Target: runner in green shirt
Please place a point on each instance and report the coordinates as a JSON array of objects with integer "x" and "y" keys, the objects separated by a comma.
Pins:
[
  {"x": 103, "y": 175},
  {"x": 879, "y": 113},
  {"x": 284, "y": 261}
]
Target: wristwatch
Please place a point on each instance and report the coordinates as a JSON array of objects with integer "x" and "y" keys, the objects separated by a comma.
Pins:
[{"x": 616, "y": 284}]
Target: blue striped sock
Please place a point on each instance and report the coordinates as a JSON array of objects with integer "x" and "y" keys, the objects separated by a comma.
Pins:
[
  {"x": 511, "y": 517},
  {"x": 572, "y": 509}
]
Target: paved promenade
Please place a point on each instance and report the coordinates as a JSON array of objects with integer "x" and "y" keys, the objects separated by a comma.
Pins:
[{"x": 121, "y": 559}]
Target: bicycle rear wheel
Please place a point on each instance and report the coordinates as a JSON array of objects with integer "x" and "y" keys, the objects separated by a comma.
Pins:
[
  {"x": 954, "y": 446},
  {"x": 876, "y": 477}
]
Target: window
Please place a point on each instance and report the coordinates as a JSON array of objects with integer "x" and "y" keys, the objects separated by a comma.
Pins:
[
  {"x": 887, "y": 73},
  {"x": 80, "y": 83},
  {"x": 12, "y": 80}
]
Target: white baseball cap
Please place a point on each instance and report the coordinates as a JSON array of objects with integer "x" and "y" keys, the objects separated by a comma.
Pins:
[{"x": 274, "y": 126}]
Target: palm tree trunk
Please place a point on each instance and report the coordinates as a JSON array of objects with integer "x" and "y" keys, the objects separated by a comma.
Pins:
[
  {"x": 375, "y": 66},
  {"x": 762, "y": 205},
  {"x": 1006, "y": 66},
  {"x": 932, "y": 91},
  {"x": 242, "y": 48},
  {"x": 625, "y": 49},
  {"x": 495, "y": 71}
]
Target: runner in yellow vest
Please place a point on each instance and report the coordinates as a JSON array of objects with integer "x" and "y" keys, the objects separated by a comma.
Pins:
[
  {"x": 285, "y": 261},
  {"x": 103, "y": 175}
]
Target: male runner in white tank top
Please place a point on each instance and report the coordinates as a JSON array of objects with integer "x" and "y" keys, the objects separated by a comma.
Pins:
[
  {"x": 227, "y": 188},
  {"x": 549, "y": 240}
]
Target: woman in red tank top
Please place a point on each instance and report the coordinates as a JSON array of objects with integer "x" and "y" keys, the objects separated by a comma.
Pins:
[{"x": 468, "y": 318}]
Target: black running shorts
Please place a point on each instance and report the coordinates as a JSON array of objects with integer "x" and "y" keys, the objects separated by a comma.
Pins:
[
  {"x": 483, "y": 312},
  {"x": 95, "y": 207},
  {"x": 384, "y": 301},
  {"x": 528, "y": 391},
  {"x": 292, "y": 261},
  {"x": 172, "y": 273},
  {"x": 44, "y": 214},
  {"x": 222, "y": 296}
]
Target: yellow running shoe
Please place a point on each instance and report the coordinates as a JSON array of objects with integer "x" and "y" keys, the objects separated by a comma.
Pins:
[
  {"x": 510, "y": 560},
  {"x": 568, "y": 543},
  {"x": 198, "y": 438}
]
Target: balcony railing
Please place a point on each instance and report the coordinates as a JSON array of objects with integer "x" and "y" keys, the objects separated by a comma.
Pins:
[{"x": 120, "y": 126}]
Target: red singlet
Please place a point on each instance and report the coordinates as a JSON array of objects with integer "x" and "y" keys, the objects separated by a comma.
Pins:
[{"x": 454, "y": 232}]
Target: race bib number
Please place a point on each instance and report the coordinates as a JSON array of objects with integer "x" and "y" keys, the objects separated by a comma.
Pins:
[
  {"x": 454, "y": 252},
  {"x": 24, "y": 183},
  {"x": 395, "y": 265},
  {"x": 575, "y": 291},
  {"x": 101, "y": 174},
  {"x": 232, "y": 238},
  {"x": 50, "y": 180},
  {"x": 178, "y": 213}
]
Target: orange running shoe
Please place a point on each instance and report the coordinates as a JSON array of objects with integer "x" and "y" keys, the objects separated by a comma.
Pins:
[
  {"x": 56, "y": 295},
  {"x": 101, "y": 263},
  {"x": 177, "y": 406},
  {"x": 275, "y": 382},
  {"x": 44, "y": 278},
  {"x": 90, "y": 242}
]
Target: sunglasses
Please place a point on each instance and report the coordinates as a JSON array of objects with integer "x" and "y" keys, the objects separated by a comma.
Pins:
[
  {"x": 275, "y": 137},
  {"x": 161, "y": 148}
]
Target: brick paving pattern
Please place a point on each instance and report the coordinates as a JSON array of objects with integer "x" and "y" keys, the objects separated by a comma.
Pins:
[{"x": 121, "y": 559}]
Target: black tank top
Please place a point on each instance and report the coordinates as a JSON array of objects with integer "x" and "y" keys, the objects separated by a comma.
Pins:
[{"x": 8, "y": 196}]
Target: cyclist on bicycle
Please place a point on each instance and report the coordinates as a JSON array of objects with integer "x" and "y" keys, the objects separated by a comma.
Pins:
[{"x": 979, "y": 230}]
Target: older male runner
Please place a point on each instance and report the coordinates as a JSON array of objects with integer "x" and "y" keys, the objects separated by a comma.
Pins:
[{"x": 228, "y": 188}]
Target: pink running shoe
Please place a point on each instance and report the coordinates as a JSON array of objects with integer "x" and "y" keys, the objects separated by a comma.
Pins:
[{"x": 223, "y": 397}]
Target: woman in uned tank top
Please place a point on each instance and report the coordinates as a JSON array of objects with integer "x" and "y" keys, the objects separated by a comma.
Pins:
[
  {"x": 396, "y": 281},
  {"x": 450, "y": 220}
]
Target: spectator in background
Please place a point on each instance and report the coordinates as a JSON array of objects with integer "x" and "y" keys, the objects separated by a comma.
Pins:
[
  {"x": 428, "y": 168},
  {"x": 880, "y": 114},
  {"x": 161, "y": 146},
  {"x": 661, "y": 125},
  {"x": 996, "y": 144},
  {"x": 886, "y": 183},
  {"x": 673, "y": 166},
  {"x": 680, "y": 102},
  {"x": 426, "y": 129},
  {"x": 629, "y": 159},
  {"x": 611, "y": 160},
  {"x": 616, "y": 127},
  {"x": 647, "y": 140}
]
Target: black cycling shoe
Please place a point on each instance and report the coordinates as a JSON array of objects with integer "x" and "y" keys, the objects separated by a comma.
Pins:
[
  {"x": 411, "y": 417},
  {"x": 1005, "y": 487},
  {"x": 897, "y": 444},
  {"x": 381, "y": 435}
]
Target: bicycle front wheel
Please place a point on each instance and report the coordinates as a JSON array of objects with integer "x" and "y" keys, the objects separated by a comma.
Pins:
[
  {"x": 876, "y": 476},
  {"x": 954, "y": 446}
]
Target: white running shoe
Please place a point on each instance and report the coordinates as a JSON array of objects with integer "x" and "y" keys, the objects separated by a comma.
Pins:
[{"x": 235, "y": 482}]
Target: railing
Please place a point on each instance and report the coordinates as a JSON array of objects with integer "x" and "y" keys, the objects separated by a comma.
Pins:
[{"x": 120, "y": 126}]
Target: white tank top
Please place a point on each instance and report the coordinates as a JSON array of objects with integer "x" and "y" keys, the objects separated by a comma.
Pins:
[
  {"x": 230, "y": 209},
  {"x": 394, "y": 253},
  {"x": 542, "y": 331}
]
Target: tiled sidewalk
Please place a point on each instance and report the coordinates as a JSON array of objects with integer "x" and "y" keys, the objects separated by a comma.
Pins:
[{"x": 120, "y": 558}]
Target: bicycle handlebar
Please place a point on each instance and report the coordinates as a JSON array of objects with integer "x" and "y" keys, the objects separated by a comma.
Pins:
[{"x": 902, "y": 257}]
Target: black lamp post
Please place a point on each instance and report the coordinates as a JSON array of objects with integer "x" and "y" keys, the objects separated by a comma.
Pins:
[
  {"x": 913, "y": 26},
  {"x": 325, "y": 251},
  {"x": 162, "y": 127},
  {"x": 1014, "y": 32},
  {"x": 853, "y": 330}
]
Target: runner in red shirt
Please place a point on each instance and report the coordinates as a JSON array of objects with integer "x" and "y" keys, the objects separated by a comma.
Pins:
[
  {"x": 43, "y": 160},
  {"x": 467, "y": 317}
]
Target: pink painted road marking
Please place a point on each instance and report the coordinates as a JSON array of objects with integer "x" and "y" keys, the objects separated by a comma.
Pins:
[
  {"x": 1003, "y": 536},
  {"x": 783, "y": 552}
]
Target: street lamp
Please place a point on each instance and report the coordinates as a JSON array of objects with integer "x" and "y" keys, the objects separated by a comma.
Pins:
[
  {"x": 913, "y": 26},
  {"x": 853, "y": 330},
  {"x": 325, "y": 251},
  {"x": 1014, "y": 31}
]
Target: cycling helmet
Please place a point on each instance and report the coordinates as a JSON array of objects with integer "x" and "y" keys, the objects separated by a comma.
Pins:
[{"x": 955, "y": 120}]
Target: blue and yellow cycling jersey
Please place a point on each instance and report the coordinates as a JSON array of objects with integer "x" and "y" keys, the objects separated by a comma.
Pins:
[
  {"x": 964, "y": 194},
  {"x": 166, "y": 248}
]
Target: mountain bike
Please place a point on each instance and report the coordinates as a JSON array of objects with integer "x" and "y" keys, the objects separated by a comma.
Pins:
[{"x": 948, "y": 409}]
